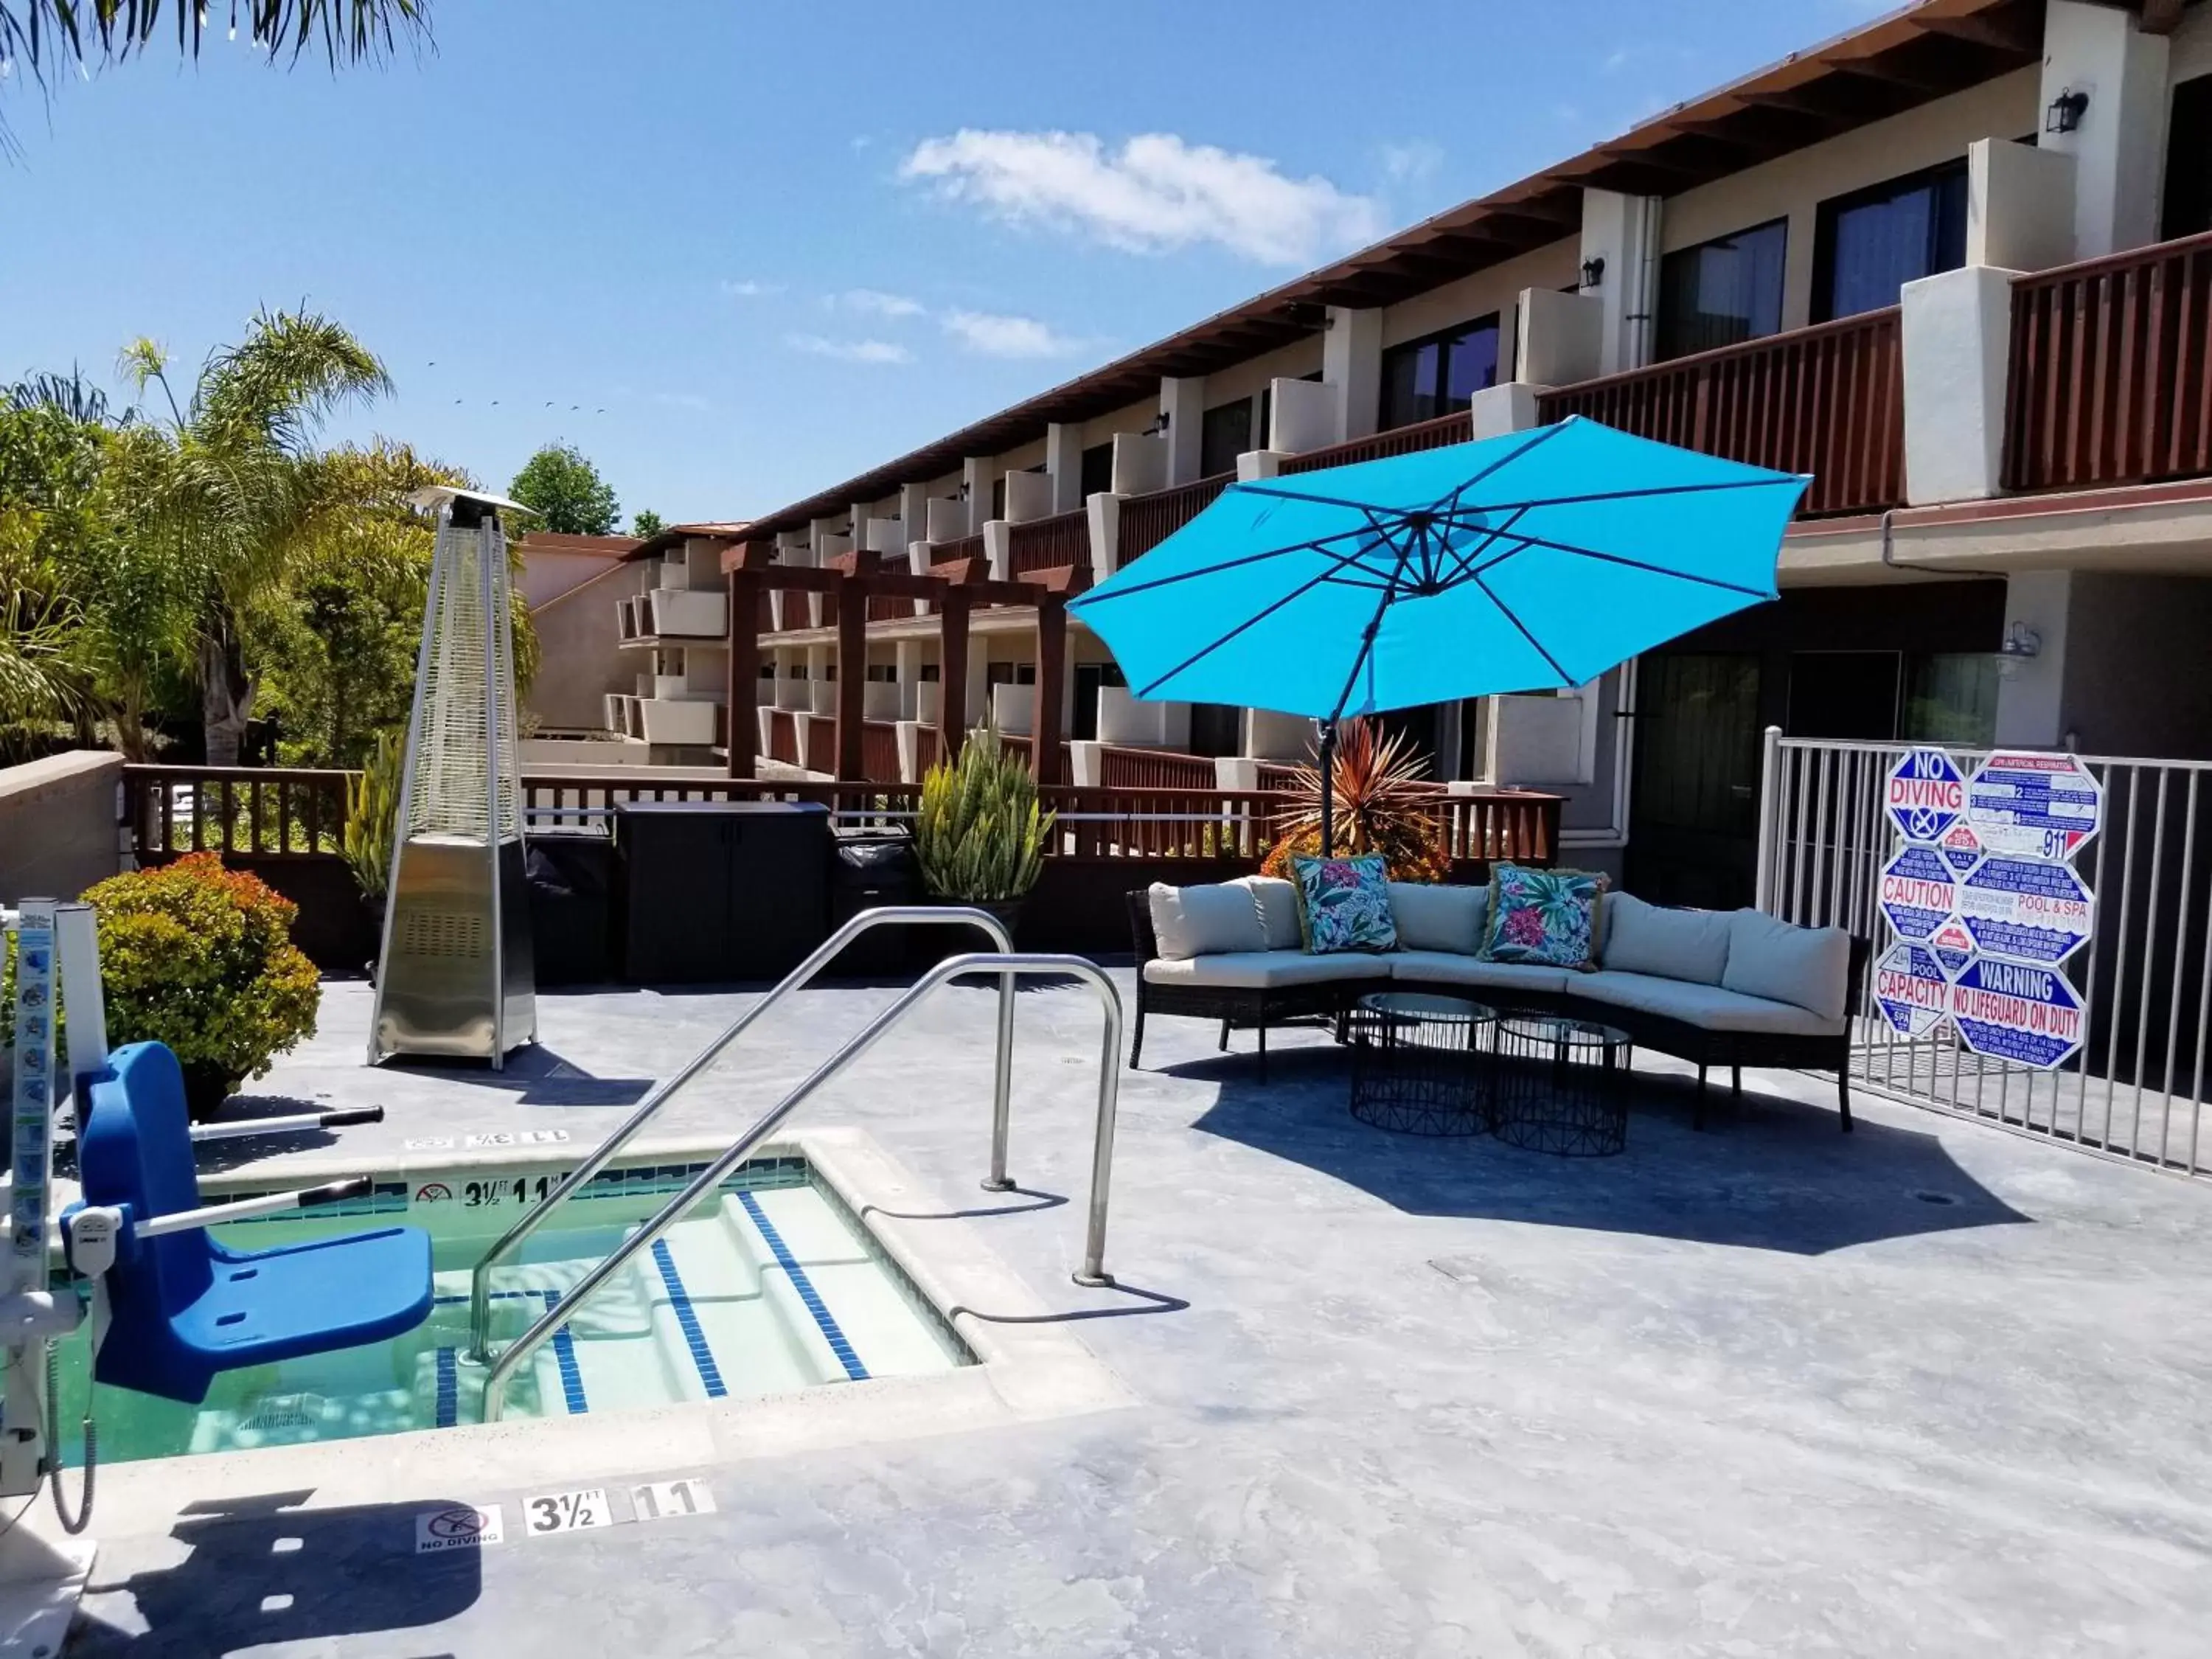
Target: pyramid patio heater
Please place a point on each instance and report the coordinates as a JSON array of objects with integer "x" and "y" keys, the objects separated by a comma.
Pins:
[{"x": 455, "y": 978}]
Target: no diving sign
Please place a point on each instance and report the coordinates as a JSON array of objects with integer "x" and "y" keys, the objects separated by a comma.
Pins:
[
  {"x": 1926, "y": 794},
  {"x": 457, "y": 1527}
]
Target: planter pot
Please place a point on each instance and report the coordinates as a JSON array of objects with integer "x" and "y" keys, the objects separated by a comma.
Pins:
[
  {"x": 206, "y": 1087},
  {"x": 927, "y": 947}
]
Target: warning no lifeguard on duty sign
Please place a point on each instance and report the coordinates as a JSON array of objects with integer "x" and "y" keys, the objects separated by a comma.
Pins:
[{"x": 1984, "y": 901}]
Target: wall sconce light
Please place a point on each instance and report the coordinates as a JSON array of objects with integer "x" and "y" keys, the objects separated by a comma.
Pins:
[
  {"x": 1160, "y": 425},
  {"x": 2021, "y": 642},
  {"x": 2064, "y": 114},
  {"x": 1594, "y": 271}
]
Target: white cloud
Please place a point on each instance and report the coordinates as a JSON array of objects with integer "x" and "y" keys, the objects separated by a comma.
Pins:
[
  {"x": 849, "y": 351},
  {"x": 998, "y": 336},
  {"x": 1412, "y": 161},
  {"x": 874, "y": 302},
  {"x": 749, "y": 289},
  {"x": 1153, "y": 194}
]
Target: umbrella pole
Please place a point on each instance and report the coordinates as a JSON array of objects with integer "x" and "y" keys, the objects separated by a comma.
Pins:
[{"x": 1329, "y": 789}]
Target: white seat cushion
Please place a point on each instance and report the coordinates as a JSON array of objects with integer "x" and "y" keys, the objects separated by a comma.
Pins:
[
  {"x": 1276, "y": 902},
  {"x": 1712, "y": 1007},
  {"x": 1686, "y": 945},
  {"x": 1808, "y": 966},
  {"x": 1266, "y": 970},
  {"x": 1205, "y": 919},
  {"x": 1438, "y": 918},
  {"x": 1449, "y": 967}
]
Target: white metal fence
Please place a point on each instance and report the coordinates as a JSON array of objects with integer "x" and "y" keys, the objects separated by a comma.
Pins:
[{"x": 2137, "y": 1090}]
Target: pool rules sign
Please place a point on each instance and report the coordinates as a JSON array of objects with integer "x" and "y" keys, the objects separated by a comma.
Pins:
[{"x": 1986, "y": 903}]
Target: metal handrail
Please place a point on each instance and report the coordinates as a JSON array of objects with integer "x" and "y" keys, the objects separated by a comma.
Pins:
[
  {"x": 1008, "y": 967},
  {"x": 598, "y": 1158}
]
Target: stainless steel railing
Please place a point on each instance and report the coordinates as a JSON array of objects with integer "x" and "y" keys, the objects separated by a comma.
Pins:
[
  {"x": 1008, "y": 967},
  {"x": 648, "y": 1109}
]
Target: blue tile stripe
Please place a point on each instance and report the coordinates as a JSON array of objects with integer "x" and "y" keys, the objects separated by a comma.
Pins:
[
  {"x": 449, "y": 1388},
  {"x": 687, "y": 1320},
  {"x": 807, "y": 1294},
  {"x": 564, "y": 1354}
]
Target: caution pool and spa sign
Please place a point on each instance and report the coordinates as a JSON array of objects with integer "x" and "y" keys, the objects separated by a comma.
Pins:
[{"x": 1984, "y": 901}]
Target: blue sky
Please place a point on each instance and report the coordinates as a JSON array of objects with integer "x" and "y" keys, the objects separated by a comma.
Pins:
[{"x": 744, "y": 251}]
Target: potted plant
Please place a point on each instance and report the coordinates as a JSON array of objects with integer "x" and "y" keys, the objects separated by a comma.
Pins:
[
  {"x": 201, "y": 958},
  {"x": 1384, "y": 804},
  {"x": 372, "y": 824},
  {"x": 980, "y": 835}
]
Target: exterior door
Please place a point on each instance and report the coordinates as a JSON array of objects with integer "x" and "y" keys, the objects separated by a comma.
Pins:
[{"x": 1693, "y": 824}]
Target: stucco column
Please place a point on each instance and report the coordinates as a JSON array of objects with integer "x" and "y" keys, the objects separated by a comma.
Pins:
[
  {"x": 978, "y": 473},
  {"x": 1956, "y": 333},
  {"x": 1624, "y": 231},
  {"x": 2119, "y": 147},
  {"x": 2031, "y": 690},
  {"x": 1352, "y": 366},
  {"x": 1182, "y": 400},
  {"x": 1063, "y": 465}
]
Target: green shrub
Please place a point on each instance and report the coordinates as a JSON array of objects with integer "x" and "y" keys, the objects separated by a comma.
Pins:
[
  {"x": 201, "y": 958},
  {"x": 979, "y": 835}
]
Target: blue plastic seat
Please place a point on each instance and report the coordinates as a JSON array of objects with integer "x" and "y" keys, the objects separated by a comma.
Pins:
[{"x": 184, "y": 1307}]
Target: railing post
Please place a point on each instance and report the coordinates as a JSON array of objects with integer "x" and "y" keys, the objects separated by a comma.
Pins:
[{"x": 1770, "y": 783}]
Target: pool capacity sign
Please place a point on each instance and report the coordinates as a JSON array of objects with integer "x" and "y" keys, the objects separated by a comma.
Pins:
[{"x": 1986, "y": 903}]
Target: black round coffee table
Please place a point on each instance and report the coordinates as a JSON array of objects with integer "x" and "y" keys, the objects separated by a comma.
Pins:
[
  {"x": 1420, "y": 1064},
  {"x": 1562, "y": 1085}
]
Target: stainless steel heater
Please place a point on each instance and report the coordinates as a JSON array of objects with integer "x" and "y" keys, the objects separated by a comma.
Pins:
[{"x": 455, "y": 978}]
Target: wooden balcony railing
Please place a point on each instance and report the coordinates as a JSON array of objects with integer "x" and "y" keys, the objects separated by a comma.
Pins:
[
  {"x": 1148, "y": 520},
  {"x": 1153, "y": 768},
  {"x": 265, "y": 811},
  {"x": 818, "y": 744},
  {"x": 1060, "y": 543},
  {"x": 2111, "y": 370},
  {"x": 966, "y": 547},
  {"x": 1828, "y": 400},
  {"x": 1454, "y": 429},
  {"x": 879, "y": 751},
  {"x": 783, "y": 736}
]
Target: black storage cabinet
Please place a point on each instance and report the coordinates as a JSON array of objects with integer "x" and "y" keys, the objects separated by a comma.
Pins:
[
  {"x": 716, "y": 890},
  {"x": 571, "y": 875}
]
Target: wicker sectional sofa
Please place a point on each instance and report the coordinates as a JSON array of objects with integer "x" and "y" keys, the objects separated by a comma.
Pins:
[{"x": 1712, "y": 988}]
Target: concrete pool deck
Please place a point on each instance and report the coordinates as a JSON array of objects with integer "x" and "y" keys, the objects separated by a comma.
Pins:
[{"x": 1926, "y": 1389}]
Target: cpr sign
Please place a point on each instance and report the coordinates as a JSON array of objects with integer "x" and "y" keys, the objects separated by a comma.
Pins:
[
  {"x": 2014, "y": 1010},
  {"x": 2037, "y": 806},
  {"x": 1926, "y": 795},
  {"x": 2027, "y": 908},
  {"x": 1911, "y": 989}
]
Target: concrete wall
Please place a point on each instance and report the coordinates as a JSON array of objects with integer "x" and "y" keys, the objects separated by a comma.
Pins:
[
  {"x": 2134, "y": 653},
  {"x": 547, "y": 574},
  {"x": 58, "y": 825},
  {"x": 1249, "y": 377},
  {"x": 1134, "y": 418},
  {"x": 1793, "y": 187},
  {"x": 580, "y": 658},
  {"x": 1495, "y": 290}
]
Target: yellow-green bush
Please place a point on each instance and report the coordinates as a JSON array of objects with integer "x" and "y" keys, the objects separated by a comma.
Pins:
[{"x": 201, "y": 958}]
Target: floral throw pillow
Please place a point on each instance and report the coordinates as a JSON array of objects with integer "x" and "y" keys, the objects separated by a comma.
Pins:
[
  {"x": 1545, "y": 917},
  {"x": 1345, "y": 904}
]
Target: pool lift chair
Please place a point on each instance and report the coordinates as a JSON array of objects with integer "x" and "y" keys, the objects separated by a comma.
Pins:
[{"x": 169, "y": 1307}]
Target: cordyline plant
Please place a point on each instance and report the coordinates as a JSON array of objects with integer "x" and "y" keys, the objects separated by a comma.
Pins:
[
  {"x": 1384, "y": 804},
  {"x": 980, "y": 836},
  {"x": 371, "y": 820}
]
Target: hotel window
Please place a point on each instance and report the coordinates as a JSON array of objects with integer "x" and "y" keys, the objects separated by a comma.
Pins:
[
  {"x": 1225, "y": 433},
  {"x": 1869, "y": 244},
  {"x": 1722, "y": 292},
  {"x": 1424, "y": 378}
]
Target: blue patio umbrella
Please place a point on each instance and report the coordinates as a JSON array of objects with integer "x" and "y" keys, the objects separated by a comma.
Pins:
[{"x": 1534, "y": 560}]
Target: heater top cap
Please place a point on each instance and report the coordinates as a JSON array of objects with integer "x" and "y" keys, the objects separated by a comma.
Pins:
[{"x": 432, "y": 498}]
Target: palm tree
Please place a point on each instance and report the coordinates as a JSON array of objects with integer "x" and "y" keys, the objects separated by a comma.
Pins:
[
  {"x": 227, "y": 491},
  {"x": 64, "y": 34}
]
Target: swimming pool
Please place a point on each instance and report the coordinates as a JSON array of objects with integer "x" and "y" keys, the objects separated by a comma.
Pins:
[{"x": 770, "y": 1286}]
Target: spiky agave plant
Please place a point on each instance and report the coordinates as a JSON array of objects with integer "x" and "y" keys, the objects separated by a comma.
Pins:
[
  {"x": 372, "y": 819},
  {"x": 1384, "y": 804},
  {"x": 979, "y": 835}
]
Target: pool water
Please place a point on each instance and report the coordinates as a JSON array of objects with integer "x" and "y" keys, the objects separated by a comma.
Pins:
[{"x": 770, "y": 1285}]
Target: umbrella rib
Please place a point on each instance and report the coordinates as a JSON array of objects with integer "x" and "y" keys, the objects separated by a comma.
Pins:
[
  {"x": 1527, "y": 542},
  {"x": 1250, "y": 622},
  {"x": 1535, "y": 644},
  {"x": 1315, "y": 545},
  {"x": 1645, "y": 493}
]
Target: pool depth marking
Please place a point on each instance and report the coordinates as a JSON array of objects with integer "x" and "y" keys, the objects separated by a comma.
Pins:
[
  {"x": 687, "y": 1321},
  {"x": 784, "y": 1259}
]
